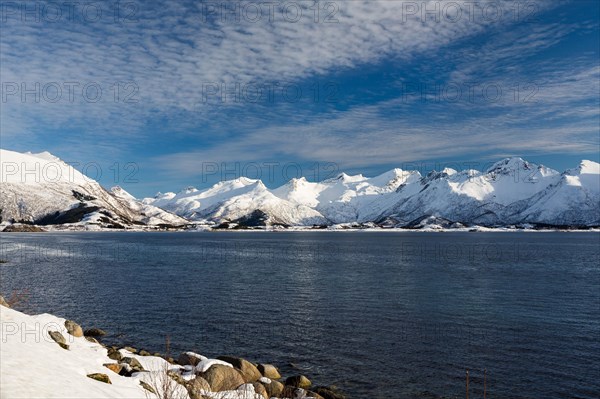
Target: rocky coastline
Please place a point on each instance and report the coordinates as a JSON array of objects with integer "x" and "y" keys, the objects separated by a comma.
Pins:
[{"x": 186, "y": 375}]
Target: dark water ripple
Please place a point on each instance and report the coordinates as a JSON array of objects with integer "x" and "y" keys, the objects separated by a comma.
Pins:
[{"x": 383, "y": 315}]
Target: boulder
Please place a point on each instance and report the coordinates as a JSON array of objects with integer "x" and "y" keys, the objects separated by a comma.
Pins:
[
  {"x": 3, "y": 302},
  {"x": 329, "y": 392},
  {"x": 114, "y": 367},
  {"x": 147, "y": 387},
  {"x": 247, "y": 389},
  {"x": 133, "y": 362},
  {"x": 144, "y": 353},
  {"x": 100, "y": 377},
  {"x": 293, "y": 392},
  {"x": 94, "y": 332},
  {"x": 189, "y": 358},
  {"x": 59, "y": 339},
  {"x": 130, "y": 349},
  {"x": 265, "y": 380},
  {"x": 176, "y": 376},
  {"x": 73, "y": 328},
  {"x": 298, "y": 381},
  {"x": 261, "y": 390},
  {"x": 114, "y": 354},
  {"x": 269, "y": 371},
  {"x": 248, "y": 371},
  {"x": 126, "y": 370},
  {"x": 223, "y": 378},
  {"x": 92, "y": 340},
  {"x": 274, "y": 388},
  {"x": 312, "y": 394},
  {"x": 197, "y": 386}
]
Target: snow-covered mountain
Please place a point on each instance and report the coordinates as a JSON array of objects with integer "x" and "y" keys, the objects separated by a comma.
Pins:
[
  {"x": 241, "y": 200},
  {"x": 573, "y": 200},
  {"x": 42, "y": 189},
  {"x": 511, "y": 192},
  {"x": 496, "y": 197},
  {"x": 346, "y": 198}
]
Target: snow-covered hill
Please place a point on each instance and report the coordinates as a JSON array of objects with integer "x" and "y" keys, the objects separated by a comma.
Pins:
[{"x": 42, "y": 189}]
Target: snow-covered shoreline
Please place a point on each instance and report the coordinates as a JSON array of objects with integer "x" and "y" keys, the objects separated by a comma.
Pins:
[
  {"x": 35, "y": 365},
  {"x": 330, "y": 229}
]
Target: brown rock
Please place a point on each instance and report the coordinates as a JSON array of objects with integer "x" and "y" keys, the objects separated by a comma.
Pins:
[
  {"x": 3, "y": 302},
  {"x": 186, "y": 358},
  {"x": 130, "y": 349},
  {"x": 94, "y": 332},
  {"x": 274, "y": 389},
  {"x": 100, "y": 377},
  {"x": 133, "y": 362},
  {"x": 197, "y": 386},
  {"x": 22, "y": 228},
  {"x": 92, "y": 340},
  {"x": 298, "y": 381},
  {"x": 329, "y": 393},
  {"x": 144, "y": 353},
  {"x": 114, "y": 354},
  {"x": 293, "y": 392},
  {"x": 73, "y": 328},
  {"x": 269, "y": 371},
  {"x": 114, "y": 367},
  {"x": 260, "y": 389},
  {"x": 223, "y": 378},
  {"x": 315, "y": 395},
  {"x": 249, "y": 371}
]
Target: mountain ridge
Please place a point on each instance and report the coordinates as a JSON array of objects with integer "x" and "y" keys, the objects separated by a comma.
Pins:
[{"x": 512, "y": 192}]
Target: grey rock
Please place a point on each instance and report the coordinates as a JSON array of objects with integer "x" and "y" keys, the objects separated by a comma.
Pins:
[{"x": 59, "y": 339}]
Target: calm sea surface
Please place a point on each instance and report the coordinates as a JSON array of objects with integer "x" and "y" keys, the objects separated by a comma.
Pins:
[{"x": 381, "y": 315}]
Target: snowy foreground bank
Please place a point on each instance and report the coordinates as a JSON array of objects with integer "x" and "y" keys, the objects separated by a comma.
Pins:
[{"x": 45, "y": 356}]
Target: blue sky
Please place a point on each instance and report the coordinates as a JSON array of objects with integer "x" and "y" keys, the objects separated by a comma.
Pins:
[{"x": 360, "y": 87}]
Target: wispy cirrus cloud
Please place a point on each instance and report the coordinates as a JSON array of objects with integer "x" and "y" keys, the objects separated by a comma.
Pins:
[
  {"x": 545, "y": 107},
  {"x": 170, "y": 51},
  {"x": 164, "y": 55}
]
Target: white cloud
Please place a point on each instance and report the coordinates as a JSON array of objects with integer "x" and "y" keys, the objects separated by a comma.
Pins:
[{"x": 171, "y": 51}]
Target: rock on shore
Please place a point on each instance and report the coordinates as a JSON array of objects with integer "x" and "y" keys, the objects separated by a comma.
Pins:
[{"x": 47, "y": 356}]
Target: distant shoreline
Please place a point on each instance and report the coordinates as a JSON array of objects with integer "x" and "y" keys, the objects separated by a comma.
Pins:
[{"x": 53, "y": 229}]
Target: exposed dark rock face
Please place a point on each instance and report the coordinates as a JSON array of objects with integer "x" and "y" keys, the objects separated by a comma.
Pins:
[
  {"x": 74, "y": 215},
  {"x": 22, "y": 228}
]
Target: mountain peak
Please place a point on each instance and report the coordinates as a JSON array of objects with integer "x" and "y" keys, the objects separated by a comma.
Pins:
[
  {"x": 188, "y": 190},
  {"x": 346, "y": 178},
  {"x": 45, "y": 155},
  {"x": 508, "y": 165},
  {"x": 589, "y": 167},
  {"x": 121, "y": 193},
  {"x": 449, "y": 171}
]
